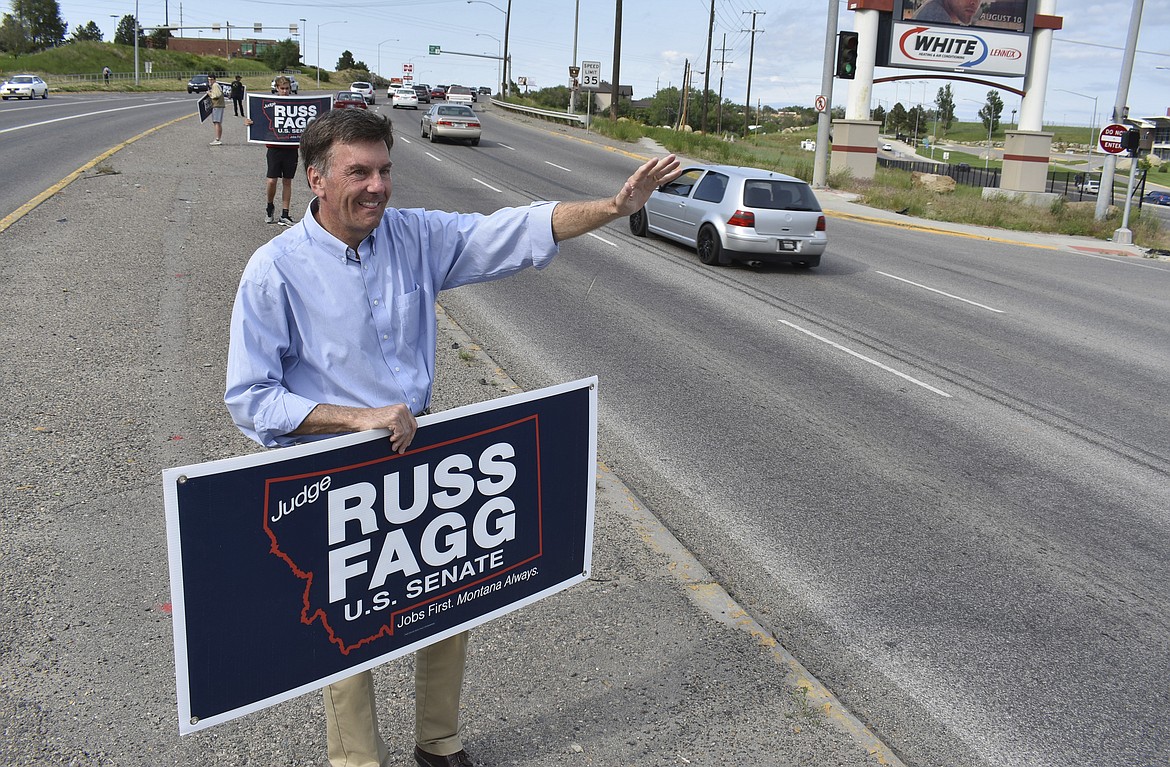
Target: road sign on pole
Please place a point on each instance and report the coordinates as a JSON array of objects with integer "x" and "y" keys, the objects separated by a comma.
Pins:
[
  {"x": 821, "y": 103},
  {"x": 1111, "y": 136},
  {"x": 590, "y": 75},
  {"x": 434, "y": 50}
]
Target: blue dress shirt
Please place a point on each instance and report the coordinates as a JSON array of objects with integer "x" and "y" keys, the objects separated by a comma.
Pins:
[{"x": 314, "y": 322}]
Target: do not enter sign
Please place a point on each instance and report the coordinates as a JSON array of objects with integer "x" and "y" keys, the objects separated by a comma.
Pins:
[{"x": 1111, "y": 136}]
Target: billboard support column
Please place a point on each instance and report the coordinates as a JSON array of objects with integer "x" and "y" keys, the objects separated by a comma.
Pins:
[
  {"x": 865, "y": 23},
  {"x": 1036, "y": 81}
]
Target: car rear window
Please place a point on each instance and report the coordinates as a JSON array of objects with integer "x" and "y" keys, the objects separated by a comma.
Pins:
[{"x": 772, "y": 194}]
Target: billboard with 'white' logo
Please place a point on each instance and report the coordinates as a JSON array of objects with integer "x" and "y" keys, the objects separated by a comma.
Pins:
[{"x": 959, "y": 49}]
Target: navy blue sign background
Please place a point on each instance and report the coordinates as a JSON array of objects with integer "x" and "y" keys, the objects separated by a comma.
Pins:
[
  {"x": 296, "y": 570},
  {"x": 282, "y": 119}
]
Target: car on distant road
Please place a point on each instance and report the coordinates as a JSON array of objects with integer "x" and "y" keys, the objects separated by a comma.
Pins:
[
  {"x": 349, "y": 100},
  {"x": 484, "y": 90},
  {"x": 423, "y": 92},
  {"x": 458, "y": 94},
  {"x": 199, "y": 84},
  {"x": 887, "y": 147},
  {"x": 24, "y": 87},
  {"x": 730, "y": 213},
  {"x": 439, "y": 93},
  {"x": 364, "y": 88},
  {"x": 1157, "y": 197},
  {"x": 404, "y": 98},
  {"x": 1088, "y": 185},
  {"x": 294, "y": 86},
  {"x": 454, "y": 121}
]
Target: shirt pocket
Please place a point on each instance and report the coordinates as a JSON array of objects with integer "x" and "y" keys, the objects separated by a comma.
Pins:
[{"x": 408, "y": 319}]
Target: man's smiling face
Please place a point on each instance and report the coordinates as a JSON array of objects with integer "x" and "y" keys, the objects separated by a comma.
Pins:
[{"x": 354, "y": 190}]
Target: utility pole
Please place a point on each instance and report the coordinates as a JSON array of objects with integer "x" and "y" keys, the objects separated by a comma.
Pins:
[
  {"x": 685, "y": 96},
  {"x": 617, "y": 58},
  {"x": 722, "y": 62},
  {"x": 747, "y": 104},
  {"x": 707, "y": 69}
]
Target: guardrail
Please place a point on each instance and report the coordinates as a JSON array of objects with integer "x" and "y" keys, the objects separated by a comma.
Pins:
[{"x": 544, "y": 114}]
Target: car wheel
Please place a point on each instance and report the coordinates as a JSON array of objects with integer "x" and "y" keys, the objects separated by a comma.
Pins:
[
  {"x": 45, "y": 95},
  {"x": 638, "y": 223},
  {"x": 432, "y": 136},
  {"x": 422, "y": 129},
  {"x": 475, "y": 142},
  {"x": 810, "y": 264},
  {"x": 709, "y": 247}
]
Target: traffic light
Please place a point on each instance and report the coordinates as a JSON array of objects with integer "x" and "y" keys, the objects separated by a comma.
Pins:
[
  {"x": 846, "y": 55},
  {"x": 1131, "y": 139}
]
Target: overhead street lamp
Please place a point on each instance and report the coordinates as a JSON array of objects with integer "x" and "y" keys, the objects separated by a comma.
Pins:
[
  {"x": 500, "y": 59},
  {"x": 137, "y": 33},
  {"x": 391, "y": 40},
  {"x": 301, "y": 39},
  {"x": 506, "y": 60},
  {"x": 1092, "y": 125},
  {"x": 323, "y": 24}
]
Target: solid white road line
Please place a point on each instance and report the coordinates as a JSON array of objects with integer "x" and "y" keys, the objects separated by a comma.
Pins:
[
  {"x": 874, "y": 362},
  {"x": 489, "y": 186},
  {"x": 935, "y": 290},
  {"x": 74, "y": 117}
]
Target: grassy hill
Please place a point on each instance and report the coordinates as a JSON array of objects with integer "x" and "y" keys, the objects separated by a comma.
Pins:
[{"x": 78, "y": 67}]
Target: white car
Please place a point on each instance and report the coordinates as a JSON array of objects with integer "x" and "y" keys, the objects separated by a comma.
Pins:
[
  {"x": 729, "y": 213},
  {"x": 458, "y": 94},
  {"x": 366, "y": 89},
  {"x": 24, "y": 87},
  {"x": 887, "y": 147},
  {"x": 404, "y": 97}
]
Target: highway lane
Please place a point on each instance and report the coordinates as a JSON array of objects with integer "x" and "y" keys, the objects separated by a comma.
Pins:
[
  {"x": 976, "y": 575},
  {"x": 935, "y": 468},
  {"x": 42, "y": 141}
]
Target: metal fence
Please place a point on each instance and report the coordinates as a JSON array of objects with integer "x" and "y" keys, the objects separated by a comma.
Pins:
[{"x": 1077, "y": 187}]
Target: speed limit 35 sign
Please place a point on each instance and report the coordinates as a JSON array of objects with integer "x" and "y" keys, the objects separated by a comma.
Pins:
[{"x": 590, "y": 75}]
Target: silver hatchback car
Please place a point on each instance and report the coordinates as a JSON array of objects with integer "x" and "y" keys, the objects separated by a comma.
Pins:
[{"x": 729, "y": 213}]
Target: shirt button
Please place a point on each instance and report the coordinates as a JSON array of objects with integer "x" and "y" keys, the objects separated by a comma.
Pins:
[
  {"x": 375, "y": 302},
  {"x": 385, "y": 336},
  {"x": 397, "y": 370}
]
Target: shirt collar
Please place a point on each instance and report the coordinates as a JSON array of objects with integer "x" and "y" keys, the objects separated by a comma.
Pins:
[{"x": 330, "y": 244}]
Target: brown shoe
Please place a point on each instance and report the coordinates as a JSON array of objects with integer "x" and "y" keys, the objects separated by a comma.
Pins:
[{"x": 457, "y": 759}]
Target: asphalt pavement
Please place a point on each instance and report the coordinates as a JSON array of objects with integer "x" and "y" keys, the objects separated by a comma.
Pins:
[{"x": 116, "y": 294}]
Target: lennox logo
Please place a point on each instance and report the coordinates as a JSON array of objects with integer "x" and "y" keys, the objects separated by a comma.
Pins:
[{"x": 1007, "y": 53}]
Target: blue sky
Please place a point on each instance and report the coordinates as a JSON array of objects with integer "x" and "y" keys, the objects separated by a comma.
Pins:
[{"x": 658, "y": 36}]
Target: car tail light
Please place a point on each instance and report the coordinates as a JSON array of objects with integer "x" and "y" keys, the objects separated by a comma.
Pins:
[
  {"x": 742, "y": 218},
  {"x": 820, "y": 223}
]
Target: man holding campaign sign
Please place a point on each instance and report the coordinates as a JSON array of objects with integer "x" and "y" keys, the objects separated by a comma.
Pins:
[{"x": 333, "y": 331}]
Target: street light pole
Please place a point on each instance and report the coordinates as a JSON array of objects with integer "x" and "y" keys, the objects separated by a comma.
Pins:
[
  {"x": 499, "y": 58},
  {"x": 301, "y": 40},
  {"x": 391, "y": 40},
  {"x": 323, "y": 24},
  {"x": 136, "y": 36},
  {"x": 507, "y": 23},
  {"x": 1092, "y": 126}
]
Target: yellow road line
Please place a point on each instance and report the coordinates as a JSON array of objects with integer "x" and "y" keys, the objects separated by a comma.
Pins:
[{"x": 28, "y": 207}]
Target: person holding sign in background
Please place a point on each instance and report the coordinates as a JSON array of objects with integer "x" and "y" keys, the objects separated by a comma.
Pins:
[
  {"x": 215, "y": 93},
  {"x": 334, "y": 331},
  {"x": 282, "y": 164}
]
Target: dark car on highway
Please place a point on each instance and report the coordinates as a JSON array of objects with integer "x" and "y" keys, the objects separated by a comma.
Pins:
[
  {"x": 1157, "y": 197},
  {"x": 198, "y": 84},
  {"x": 439, "y": 93},
  {"x": 424, "y": 93}
]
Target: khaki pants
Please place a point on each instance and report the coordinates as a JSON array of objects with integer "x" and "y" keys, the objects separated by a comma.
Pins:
[{"x": 352, "y": 718}]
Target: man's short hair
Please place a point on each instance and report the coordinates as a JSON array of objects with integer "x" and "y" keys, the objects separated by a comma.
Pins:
[
  {"x": 211, "y": 77},
  {"x": 342, "y": 126}
]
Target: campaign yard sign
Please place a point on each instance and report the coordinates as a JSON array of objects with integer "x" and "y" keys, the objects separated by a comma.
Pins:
[
  {"x": 294, "y": 568},
  {"x": 280, "y": 120}
]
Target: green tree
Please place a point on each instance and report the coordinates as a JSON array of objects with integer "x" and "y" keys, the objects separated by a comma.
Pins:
[
  {"x": 124, "y": 34},
  {"x": 158, "y": 39},
  {"x": 14, "y": 38},
  {"x": 283, "y": 55},
  {"x": 89, "y": 31},
  {"x": 989, "y": 113},
  {"x": 346, "y": 61},
  {"x": 896, "y": 120},
  {"x": 43, "y": 22},
  {"x": 944, "y": 101},
  {"x": 879, "y": 115}
]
